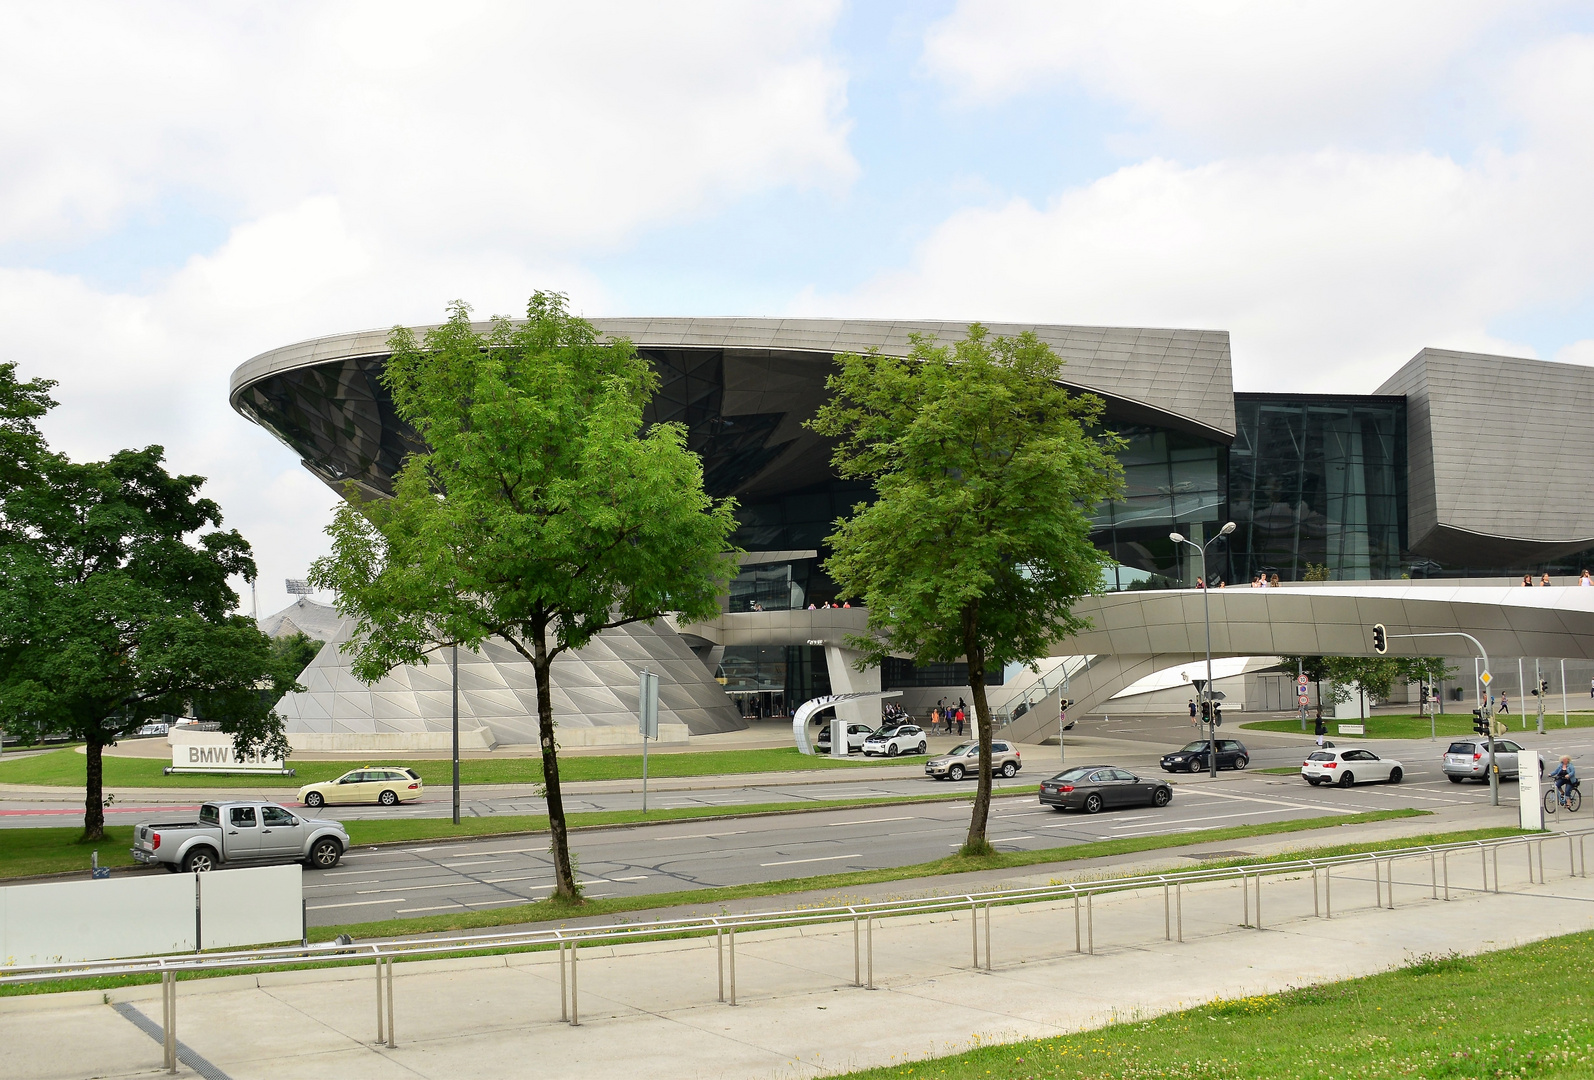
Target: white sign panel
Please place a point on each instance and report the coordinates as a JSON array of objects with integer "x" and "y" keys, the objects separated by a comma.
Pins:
[
  {"x": 1529, "y": 791},
  {"x": 259, "y": 905},
  {"x": 212, "y": 751}
]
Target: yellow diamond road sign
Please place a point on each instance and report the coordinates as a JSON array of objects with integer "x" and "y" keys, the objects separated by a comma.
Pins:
[{"x": 1487, "y": 678}]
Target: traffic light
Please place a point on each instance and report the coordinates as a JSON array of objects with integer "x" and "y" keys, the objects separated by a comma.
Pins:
[
  {"x": 1480, "y": 721},
  {"x": 1380, "y": 639},
  {"x": 1544, "y": 687}
]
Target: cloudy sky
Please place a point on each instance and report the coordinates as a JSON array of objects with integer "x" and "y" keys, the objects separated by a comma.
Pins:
[{"x": 184, "y": 185}]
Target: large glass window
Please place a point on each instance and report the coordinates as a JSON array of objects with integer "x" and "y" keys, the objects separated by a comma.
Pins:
[
  {"x": 1172, "y": 481},
  {"x": 772, "y": 680}
]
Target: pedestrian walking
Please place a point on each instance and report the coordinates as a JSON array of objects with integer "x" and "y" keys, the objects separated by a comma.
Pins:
[
  {"x": 1192, "y": 701},
  {"x": 1505, "y": 703},
  {"x": 960, "y": 723}
]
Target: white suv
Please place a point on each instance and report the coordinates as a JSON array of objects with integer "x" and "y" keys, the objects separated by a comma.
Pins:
[{"x": 891, "y": 741}]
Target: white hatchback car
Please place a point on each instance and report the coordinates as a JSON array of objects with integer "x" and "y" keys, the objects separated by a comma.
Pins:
[{"x": 1347, "y": 767}]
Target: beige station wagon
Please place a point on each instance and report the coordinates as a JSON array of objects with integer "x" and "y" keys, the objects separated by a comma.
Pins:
[{"x": 387, "y": 785}]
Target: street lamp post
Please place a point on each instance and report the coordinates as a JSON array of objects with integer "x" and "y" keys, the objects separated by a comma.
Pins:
[{"x": 1206, "y": 616}]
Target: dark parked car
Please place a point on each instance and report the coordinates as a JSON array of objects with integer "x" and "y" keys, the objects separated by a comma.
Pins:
[
  {"x": 1092, "y": 788},
  {"x": 1193, "y": 758}
]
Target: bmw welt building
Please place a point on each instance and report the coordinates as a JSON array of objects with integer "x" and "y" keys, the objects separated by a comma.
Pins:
[{"x": 1460, "y": 465}]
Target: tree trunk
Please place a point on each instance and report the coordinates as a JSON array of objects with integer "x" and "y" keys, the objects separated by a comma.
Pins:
[
  {"x": 94, "y": 791},
  {"x": 976, "y": 843},
  {"x": 559, "y": 844}
]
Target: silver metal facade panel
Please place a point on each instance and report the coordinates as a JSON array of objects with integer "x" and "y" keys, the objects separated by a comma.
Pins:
[
  {"x": 1184, "y": 374},
  {"x": 1498, "y": 452}
]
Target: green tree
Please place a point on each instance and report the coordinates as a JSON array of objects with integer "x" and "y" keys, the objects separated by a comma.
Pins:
[
  {"x": 1373, "y": 674},
  {"x": 294, "y": 652},
  {"x": 978, "y": 543},
  {"x": 540, "y": 513},
  {"x": 114, "y": 602}
]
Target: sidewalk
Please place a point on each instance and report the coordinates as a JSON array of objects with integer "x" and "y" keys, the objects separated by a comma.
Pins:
[{"x": 652, "y": 1008}]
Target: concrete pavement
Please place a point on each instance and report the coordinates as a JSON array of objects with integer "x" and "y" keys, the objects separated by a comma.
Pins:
[{"x": 653, "y": 1008}]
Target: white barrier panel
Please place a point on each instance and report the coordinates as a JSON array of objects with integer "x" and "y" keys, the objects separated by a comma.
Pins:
[
  {"x": 255, "y": 906},
  {"x": 96, "y": 920},
  {"x": 1529, "y": 791},
  {"x": 140, "y": 916}
]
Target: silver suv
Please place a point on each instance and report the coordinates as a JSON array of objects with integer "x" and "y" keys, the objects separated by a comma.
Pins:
[
  {"x": 1468, "y": 759},
  {"x": 964, "y": 760}
]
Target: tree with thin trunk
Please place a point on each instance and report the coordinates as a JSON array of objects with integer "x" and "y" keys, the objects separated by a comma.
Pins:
[
  {"x": 540, "y": 512},
  {"x": 977, "y": 545},
  {"x": 115, "y": 607}
]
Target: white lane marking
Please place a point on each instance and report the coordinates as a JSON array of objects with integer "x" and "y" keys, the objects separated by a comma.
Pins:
[
  {"x": 340, "y": 884},
  {"x": 827, "y": 858},
  {"x": 1212, "y": 817},
  {"x": 417, "y": 888},
  {"x": 1008, "y": 839},
  {"x": 483, "y": 862},
  {"x": 866, "y": 821},
  {"x": 705, "y": 836},
  {"x": 438, "y": 907},
  {"x": 1272, "y": 802},
  {"x": 354, "y": 903},
  {"x": 637, "y": 877},
  {"x": 500, "y": 880}
]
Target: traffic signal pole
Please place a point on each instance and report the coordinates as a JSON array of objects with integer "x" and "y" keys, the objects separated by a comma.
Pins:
[{"x": 1485, "y": 724}]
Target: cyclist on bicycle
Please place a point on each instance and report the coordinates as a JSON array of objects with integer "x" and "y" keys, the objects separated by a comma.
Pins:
[{"x": 1565, "y": 775}]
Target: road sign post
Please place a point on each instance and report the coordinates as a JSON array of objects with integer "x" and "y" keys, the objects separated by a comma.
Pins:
[{"x": 647, "y": 722}]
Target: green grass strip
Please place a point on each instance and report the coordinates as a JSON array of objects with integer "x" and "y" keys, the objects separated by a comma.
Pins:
[
  {"x": 1412, "y": 726},
  {"x": 1521, "y": 1012},
  {"x": 67, "y": 768}
]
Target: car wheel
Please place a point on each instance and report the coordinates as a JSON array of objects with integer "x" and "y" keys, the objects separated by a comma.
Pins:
[
  {"x": 1195, "y": 766},
  {"x": 1161, "y": 797},
  {"x": 1346, "y": 780},
  {"x": 388, "y": 798},
  {"x": 923, "y": 747},
  {"x": 1009, "y": 770},
  {"x": 325, "y": 853},
  {"x": 1241, "y": 762},
  {"x": 891, "y": 751},
  {"x": 1092, "y": 804},
  {"x": 1395, "y": 775},
  {"x": 955, "y": 772},
  {"x": 314, "y": 800},
  {"x": 199, "y": 861},
  {"x": 1455, "y": 779}
]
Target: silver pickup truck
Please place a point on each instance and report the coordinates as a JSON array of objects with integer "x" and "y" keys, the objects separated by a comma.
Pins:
[{"x": 240, "y": 833}]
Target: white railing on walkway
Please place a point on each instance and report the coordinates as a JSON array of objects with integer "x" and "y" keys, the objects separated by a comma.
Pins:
[{"x": 724, "y": 928}]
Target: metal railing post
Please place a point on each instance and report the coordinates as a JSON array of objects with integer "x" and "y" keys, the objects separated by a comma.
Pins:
[
  {"x": 868, "y": 932},
  {"x": 1167, "y": 913},
  {"x": 1378, "y": 884},
  {"x": 731, "y": 946},
  {"x": 1259, "y": 900},
  {"x": 392, "y": 1037},
  {"x": 1496, "y": 850},
  {"x": 1317, "y": 906},
  {"x": 381, "y": 1024},
  {"x": 857, "y": 968},
  {"x": 1433, "y": 876},
  {"x": 1090, "y": 920},
  {"x": 1078, "y": 945},
  {"x": 575, "y": 986},
  {"x": 1328, "y": 891},
  {"x": 987, "y": 937},
  {"x": 1178, "y": 906},
  {"x": 1245, "y": 901},
  {"x": 974, "y": 931},
  {"x": 564, "y": 999},
  {"x": 169, "y": 1021},
  {"x": 1445, "y": 859},
  {"x": 719, "y": 955}
]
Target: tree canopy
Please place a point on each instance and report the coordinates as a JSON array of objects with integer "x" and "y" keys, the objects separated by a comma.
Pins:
[
  {"x": 985, "y": 472},
  {"x": 115, "y": 606},
  {"x": 540, "y": 512}
]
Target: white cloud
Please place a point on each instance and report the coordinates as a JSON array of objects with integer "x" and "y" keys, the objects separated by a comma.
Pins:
[
  {"x": 1330, "y": 264},
  {"x": 369, "y": 162},
  {"x": 1220, "y": 73}
]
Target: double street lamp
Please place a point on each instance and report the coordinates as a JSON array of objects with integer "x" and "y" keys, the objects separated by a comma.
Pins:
[{"x": 1206, "y": 608}]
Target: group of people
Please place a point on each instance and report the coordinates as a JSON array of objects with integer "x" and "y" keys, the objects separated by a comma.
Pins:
[
  {"x": 827, "y": 605},
  {"x": 945, "y": 716},
  {"x": 1261, "y": 581},
  {"x": 1544, "y": 579}
]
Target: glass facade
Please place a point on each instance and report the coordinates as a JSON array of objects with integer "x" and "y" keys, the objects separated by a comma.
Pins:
[
  {"x": 772, "y": 680},
  {"x": 1172, "y": 481},
  {"x": 1318, "y": 480}
]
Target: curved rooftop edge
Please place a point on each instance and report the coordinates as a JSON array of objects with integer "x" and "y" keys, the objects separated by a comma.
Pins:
[{"x": 1179, "y": 378}]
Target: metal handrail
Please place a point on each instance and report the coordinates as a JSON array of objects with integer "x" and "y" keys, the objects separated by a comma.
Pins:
[{"x": 333, "y": 952}]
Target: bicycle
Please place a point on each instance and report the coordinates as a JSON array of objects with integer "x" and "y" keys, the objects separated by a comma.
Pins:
[{"x": 1572, "y": 800}]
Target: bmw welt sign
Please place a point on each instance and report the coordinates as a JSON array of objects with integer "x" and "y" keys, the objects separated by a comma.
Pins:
[{"x": 213, "y": 751}]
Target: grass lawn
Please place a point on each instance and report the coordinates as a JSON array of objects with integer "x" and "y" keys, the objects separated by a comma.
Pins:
[
  {"x": 66, "y": 768},
  {"x": 1412, "y": 726},
  {"x": 1523, "y": 1012}
]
